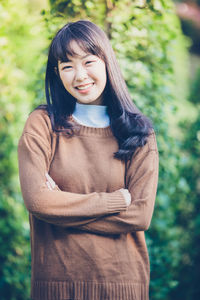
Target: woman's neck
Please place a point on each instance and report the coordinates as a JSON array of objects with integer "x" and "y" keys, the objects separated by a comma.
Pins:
[{"x": 91, "y": 115}]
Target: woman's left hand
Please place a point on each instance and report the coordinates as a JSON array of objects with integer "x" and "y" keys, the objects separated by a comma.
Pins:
[{"x": 50, "y": 182}]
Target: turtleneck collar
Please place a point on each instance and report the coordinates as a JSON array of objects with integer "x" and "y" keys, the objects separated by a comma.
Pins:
[{"x": 91, "y": 115}]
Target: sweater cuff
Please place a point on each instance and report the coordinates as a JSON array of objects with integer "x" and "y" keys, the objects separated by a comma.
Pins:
[{"x": 116, "y": 202}]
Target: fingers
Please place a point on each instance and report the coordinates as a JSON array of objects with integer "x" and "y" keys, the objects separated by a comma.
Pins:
[
  {"x": 50, "y": 183},
  {"x": 127, "y": 196}
]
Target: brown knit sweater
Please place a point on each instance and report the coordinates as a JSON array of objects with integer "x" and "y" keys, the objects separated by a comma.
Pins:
[{"x": 85, "y": 243}]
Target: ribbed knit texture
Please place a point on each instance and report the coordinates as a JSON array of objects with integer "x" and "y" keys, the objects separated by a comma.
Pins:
[
  {"x": 86, "y": 244},
  {"x": 90, "y": 291}
]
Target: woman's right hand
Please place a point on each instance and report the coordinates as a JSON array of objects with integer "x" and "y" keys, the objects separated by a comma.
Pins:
[
  {"x": 127, "y": 196},
  {"x": 52, "y": 186}
]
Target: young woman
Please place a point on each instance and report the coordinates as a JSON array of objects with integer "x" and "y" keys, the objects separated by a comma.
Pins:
[{"x": 88, "y": 165}]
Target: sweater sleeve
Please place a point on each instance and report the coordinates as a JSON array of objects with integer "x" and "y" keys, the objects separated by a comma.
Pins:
[
  {"x": 56, "y": 207},
  {"x": 142, "y": 178}
]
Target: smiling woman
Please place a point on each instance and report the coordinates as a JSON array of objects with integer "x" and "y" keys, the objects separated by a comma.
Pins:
[
  {"x": 88, "y": 165},
  {"x": 84, "y": 76}
]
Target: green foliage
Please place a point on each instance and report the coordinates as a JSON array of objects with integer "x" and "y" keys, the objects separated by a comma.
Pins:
[
  {"x": 145, "y": 36},
  {"x": 188, "y": 209},
  {"x": 14, "y": 249},
  {"x": 195, "y": 89},
  {"x": 20, "y": 63},
  {"x": 80, "y": 9}
]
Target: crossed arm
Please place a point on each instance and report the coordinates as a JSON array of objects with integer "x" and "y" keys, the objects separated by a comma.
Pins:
[
  {"x": 142, "y": 187},
  {"x": 55, "y": 206},
  {"x": 107, "y": 213},
  {"x": 142, "y": 184}
]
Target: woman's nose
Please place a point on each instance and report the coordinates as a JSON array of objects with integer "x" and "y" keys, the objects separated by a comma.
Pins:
[{"x": 81, "y": 74}]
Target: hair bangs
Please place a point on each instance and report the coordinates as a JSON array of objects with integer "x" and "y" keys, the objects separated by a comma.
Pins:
[{"x": 62, "y": 48}]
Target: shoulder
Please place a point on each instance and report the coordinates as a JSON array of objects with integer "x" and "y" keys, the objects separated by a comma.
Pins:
[
  {"x": 150, "y": 145},
  {"x": 38, "y": 126},
  {"x": 38, "y": 122}
]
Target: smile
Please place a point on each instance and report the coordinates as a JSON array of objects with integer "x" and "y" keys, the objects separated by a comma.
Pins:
[{"x": 84, "y": 87}]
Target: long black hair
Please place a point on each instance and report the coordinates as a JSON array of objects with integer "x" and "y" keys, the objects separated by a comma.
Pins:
[{"x": 129, "y": 126}]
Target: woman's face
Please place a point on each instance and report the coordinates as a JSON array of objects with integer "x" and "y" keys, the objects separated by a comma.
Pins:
[{"x": 84, "y": 76}]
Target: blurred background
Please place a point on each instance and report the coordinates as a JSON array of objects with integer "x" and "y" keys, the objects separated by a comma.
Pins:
[{"x": 157, "y": 44}]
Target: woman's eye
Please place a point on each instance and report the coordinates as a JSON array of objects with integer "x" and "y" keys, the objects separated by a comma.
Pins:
[
  {"x": 89, "y": 61},
  {"x": 66, "y": 67}
]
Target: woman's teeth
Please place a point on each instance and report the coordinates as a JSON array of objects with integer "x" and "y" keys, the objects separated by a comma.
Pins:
[{"x": 84, "y": 87}]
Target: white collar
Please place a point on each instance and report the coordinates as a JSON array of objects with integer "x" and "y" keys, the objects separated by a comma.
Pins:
[{"x": 91, "y": 115}]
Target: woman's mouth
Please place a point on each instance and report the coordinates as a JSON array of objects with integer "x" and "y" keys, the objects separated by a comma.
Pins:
[{"x": 84, "y": 88}]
